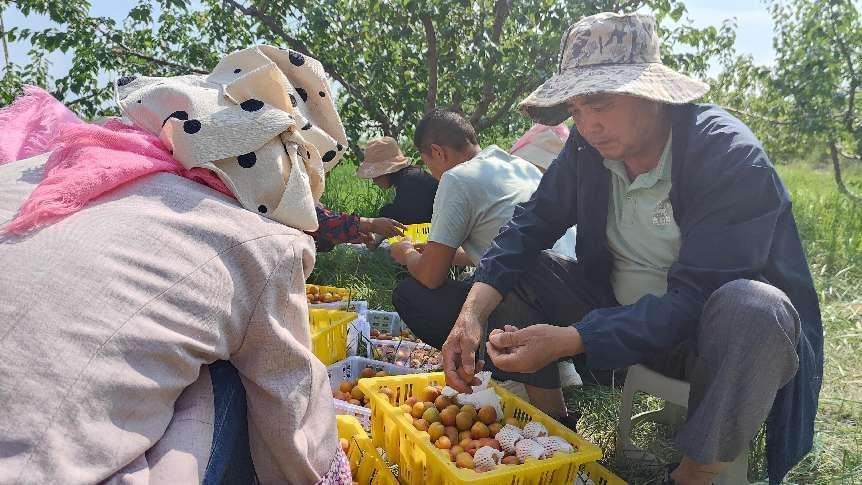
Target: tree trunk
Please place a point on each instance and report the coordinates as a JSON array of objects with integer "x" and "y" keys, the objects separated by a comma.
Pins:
[
  {"x": 836, "y": 165},
  {"x": 5, "y": 44}
]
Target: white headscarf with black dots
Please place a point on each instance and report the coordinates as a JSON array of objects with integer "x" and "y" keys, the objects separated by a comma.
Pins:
[{"x": 264, "y": 121}]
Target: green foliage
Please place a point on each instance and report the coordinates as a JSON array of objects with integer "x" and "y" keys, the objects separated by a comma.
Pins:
[
  {"x": 806, "y": 105},
  {"x": 390, "y": 59}
]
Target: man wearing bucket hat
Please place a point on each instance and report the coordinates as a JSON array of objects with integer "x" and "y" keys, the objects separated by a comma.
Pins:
[
  {"x": 415, "y": 188},
  {"x": 689, "y": 260}
]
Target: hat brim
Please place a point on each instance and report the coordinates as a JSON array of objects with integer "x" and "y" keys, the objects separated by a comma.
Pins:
[
  {"x": 370, "y": 170},
  {"x": 654, "y": 81}
]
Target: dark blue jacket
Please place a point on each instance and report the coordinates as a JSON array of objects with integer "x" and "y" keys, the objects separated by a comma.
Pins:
[{"x": 735, "y": 218}]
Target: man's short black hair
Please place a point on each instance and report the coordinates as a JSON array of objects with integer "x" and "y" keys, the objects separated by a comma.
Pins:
[{"x": 445, "y": 128}]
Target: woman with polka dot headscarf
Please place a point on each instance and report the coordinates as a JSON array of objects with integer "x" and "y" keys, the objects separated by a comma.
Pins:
[{"x": 162, "y": 321}]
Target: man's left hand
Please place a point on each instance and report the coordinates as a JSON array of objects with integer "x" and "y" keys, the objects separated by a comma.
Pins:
[
  {"x": 400, "y": 250},
  {"x": 532, "y": 348}
]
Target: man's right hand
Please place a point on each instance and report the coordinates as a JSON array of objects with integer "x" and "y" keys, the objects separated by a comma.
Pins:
[{"x": 459, "y": 351}]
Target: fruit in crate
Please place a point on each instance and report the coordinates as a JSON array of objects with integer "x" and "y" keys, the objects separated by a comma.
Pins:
[
  {"x": 349, "y": 390},
  {"x": 383, "y": 335},
  {"x": 408, "y": 356},
  {"x": 479, "y": 439},
  {"x": 316, "y": 294}
]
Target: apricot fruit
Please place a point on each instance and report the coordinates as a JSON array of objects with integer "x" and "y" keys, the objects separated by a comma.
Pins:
[
  {"x": 418, "y": 409},
  {"x": 463, "y": 421},
  {"x": 429, "y": 394},
  {"x": 510, "y": 460},
  {"x": 443, "y": 443},
  {"x": 488, "y": 415},
  {"x": 447, "y": 417},
  {"x": 464, "y": 460},
  {"x": 431, "y": 414},
  {"x": 442, "y": 402},
  {"x": 436, "y": 430}
]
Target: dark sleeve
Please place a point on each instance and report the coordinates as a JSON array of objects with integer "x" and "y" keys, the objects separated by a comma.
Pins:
[
  {"x": 536, "y": 224},
  {"x": 335, "y": 228},
  {"x": 727, "y": 232}
]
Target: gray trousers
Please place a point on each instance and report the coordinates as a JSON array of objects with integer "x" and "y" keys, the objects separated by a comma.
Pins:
[{"x": 743, "y": 353}]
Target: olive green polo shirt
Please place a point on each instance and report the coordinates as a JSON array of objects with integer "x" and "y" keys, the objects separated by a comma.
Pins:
[{"x": 642, "y": 234}]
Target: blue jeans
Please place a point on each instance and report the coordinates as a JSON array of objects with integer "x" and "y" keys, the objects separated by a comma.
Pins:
[{"x": 230, "y": 457}]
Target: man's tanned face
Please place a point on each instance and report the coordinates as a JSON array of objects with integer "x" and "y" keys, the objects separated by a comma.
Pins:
[{"x": 618, "y": 126}]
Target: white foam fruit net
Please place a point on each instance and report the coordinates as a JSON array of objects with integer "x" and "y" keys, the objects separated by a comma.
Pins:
[
  {"x": 486, "y": 458},
  {"x": 535, "y": 429},
  {"x": 508, "y": 436},
  {"x": 554, "y": 444},
  {"x": 527, "y": 448}
]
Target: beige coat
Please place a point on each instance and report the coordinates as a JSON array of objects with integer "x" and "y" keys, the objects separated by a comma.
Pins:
[{"x": 108, "y": 315}]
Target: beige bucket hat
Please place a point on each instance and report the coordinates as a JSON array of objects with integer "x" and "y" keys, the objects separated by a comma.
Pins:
[
  {"x": 609, "y": 53},
  {"x": 382, "y": 156},
  {"x": 264, "y": 121}
]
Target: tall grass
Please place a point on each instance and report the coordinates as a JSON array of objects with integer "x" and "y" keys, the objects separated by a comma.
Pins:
[
  {"x": 831, "y": 229},
  {"x": 348, "y": 193}
]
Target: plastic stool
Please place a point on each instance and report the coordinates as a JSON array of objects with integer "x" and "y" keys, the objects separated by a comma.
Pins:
[{"x": 675, "y": 392}]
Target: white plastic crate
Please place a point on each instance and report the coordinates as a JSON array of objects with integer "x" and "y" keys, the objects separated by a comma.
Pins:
[
  {"x": 348, "y": 370},
  {"x": 385, "y": 321}
]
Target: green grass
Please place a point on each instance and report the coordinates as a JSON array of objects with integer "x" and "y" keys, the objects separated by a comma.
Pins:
[{"x": 831, "y": 229}]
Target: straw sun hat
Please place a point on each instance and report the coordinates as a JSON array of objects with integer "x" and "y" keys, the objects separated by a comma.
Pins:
[
  {"x": 609, "y": 53},
  {"x": 382, "y": 156}
]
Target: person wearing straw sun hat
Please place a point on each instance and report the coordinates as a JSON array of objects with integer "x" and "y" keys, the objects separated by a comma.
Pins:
[
  {"x": 689, "y": 260},
  {"x": 386, "y": 167}
]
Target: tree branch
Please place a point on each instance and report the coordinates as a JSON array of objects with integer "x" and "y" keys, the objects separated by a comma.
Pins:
[
  {"x": 849, "y": 156},
  {"x": 431, "y": 60},
  {"x": 85, "y": 98},
  {"x": 836, "y": 165},
  {"x": 505, "y": 109},
  {"x": 457, "y": 102},
  {"x": 299, "y": 46},
  {"x": 122, "y": 49},
  {"x": 5, "y": 44},
  {"x": 854, "y": 81},
  {"x": 502, "y": 8},
  {"x": 746, "y": 114}
]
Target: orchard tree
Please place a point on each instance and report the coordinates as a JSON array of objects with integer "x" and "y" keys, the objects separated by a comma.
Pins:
[
  {"x": 809, "y": 101},
  {"x": 390, "y": 60}
]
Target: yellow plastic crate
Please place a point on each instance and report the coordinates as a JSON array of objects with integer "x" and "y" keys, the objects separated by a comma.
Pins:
[
  {"x": 420, "y": 462},
  {"x": 365, "y": 464},
  {"x": 416, "y": 232},
  {"x": 599, "y": 474},
  {"x": 329, "y": 334}
]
